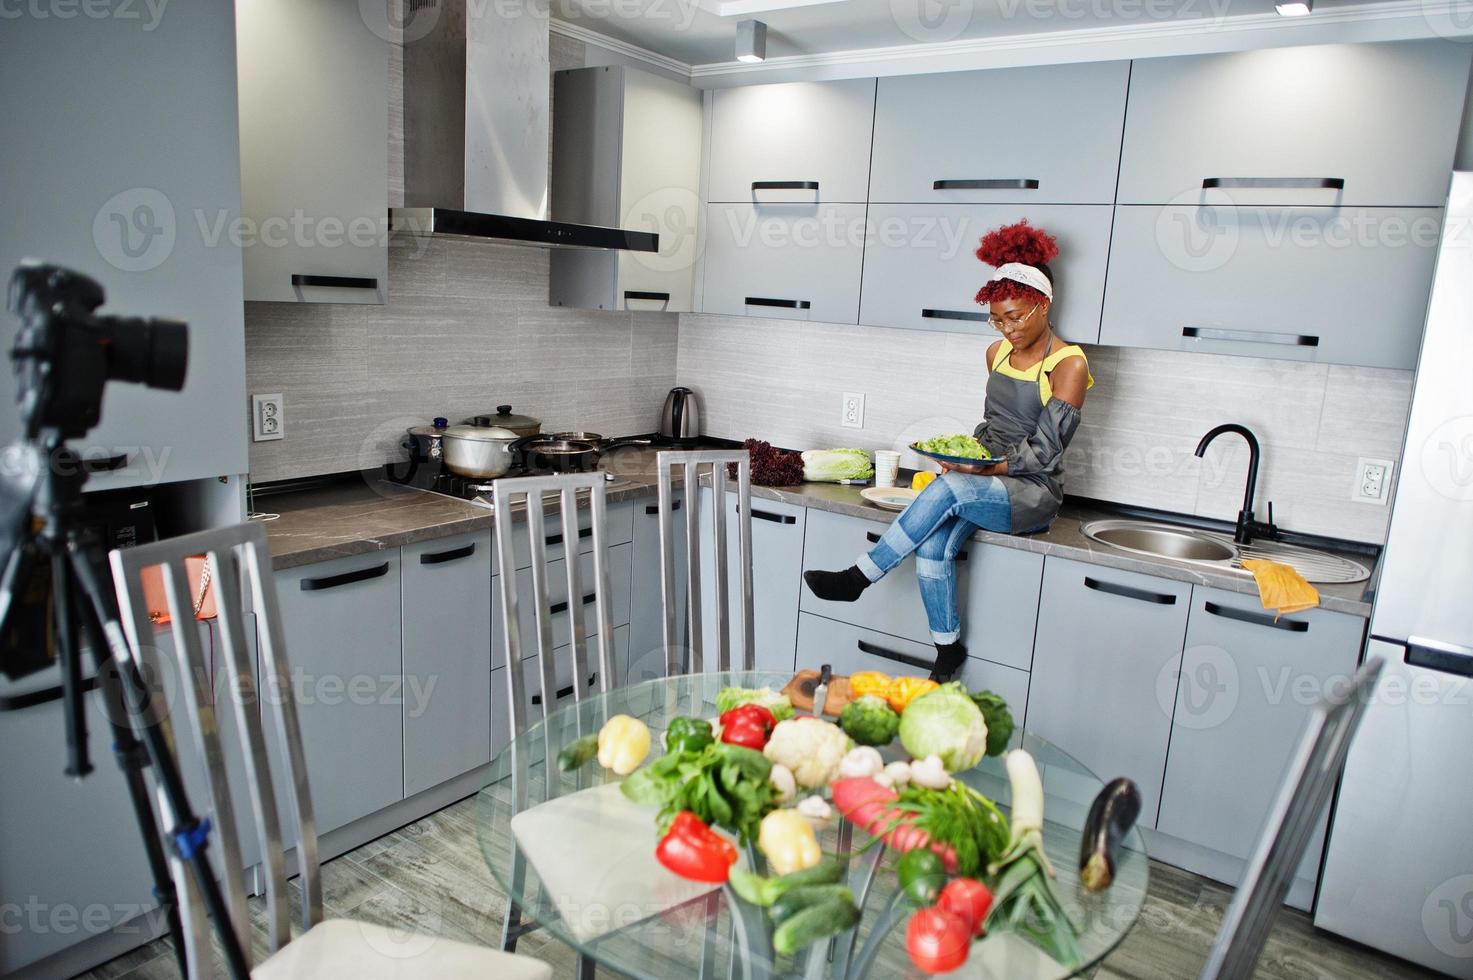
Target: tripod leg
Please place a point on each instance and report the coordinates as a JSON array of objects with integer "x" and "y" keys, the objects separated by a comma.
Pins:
[{"x": 73, "y": 706}]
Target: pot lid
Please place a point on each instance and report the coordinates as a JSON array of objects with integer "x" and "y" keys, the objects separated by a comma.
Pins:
[
  {"x": 507, "y": 420},
  {"x": 481, "y": 433},
  {"x": 434, "y": 429}
]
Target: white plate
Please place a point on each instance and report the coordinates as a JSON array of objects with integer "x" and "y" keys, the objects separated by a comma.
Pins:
[{"x": 889, "y": 498}]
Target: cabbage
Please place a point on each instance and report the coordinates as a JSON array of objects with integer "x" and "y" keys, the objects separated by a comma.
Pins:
[
  {"x": 947, "y": 723},
  {"x": 833, "y": 465}
]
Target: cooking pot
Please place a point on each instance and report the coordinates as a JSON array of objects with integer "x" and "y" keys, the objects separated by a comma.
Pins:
[
  {"x": 480, "y": 452},
  {"x": 424, "y": 441},
  {"x": 520, "y": 425}
]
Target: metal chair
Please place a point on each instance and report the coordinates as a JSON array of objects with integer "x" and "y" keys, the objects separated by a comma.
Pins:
[
  {"x": 1315, "y": 767},
  {"x": 691, "y": 462},
  {"x": 338, "y": 946}
]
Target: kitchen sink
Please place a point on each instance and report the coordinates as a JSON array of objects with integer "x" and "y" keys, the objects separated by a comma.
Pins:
[{"x": 1218, "y": 550}]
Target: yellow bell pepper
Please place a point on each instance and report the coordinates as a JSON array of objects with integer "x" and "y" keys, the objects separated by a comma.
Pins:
[
  {"x": 787, "y": 839},
  {"x": 869, "y": 682},
  {"x": 623, "y": 743},
  {"x": 921, "y": 480},
  {"x": 904, "y": 690}
]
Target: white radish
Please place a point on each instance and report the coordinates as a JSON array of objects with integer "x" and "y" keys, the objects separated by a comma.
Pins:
[{"x": 1026, "y": 814}]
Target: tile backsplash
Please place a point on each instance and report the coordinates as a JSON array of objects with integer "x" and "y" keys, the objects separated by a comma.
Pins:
[{"x": 783, "y": 380}]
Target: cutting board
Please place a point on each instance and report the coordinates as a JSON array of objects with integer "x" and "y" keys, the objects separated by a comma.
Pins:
[{"x": 800, "y": 691}]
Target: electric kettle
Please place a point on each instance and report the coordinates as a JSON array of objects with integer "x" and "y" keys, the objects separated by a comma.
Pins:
[{"x": 680, "y": 419}]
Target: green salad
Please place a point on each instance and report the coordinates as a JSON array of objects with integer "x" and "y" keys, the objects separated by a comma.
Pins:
[{"x": 961, "y": 446}]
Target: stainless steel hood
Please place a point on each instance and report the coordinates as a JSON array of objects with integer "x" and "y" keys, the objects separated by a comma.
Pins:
[{"x": 477, "y": 94}]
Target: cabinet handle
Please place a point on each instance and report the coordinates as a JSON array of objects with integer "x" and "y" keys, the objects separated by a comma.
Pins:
[
  {"x": 653, "y": 509},
  {"x": 1256, "y": 618},
  {"x": 563, "y": 692},
  {"x": 552, "y": 539},
  {"x": 1449, "y": 658},
  {"x": 345, "y": 282},
  {"x": 786, "y": 304},
  {"x": 562, "y": 607},
  {"x": 104, "y": 464},
  {"x": 346, "y": 578},
  {"x": 874, "y": 538},
  {"x": 955, "y": 315},
  {"x": 767, "y": 515},
  {"x": 1313, "y": 183},
  {"x": 988, "y": 184},
  {"x": 630, "y": 294},
  {"x": 15, "y": 702},
  {"x": 904, "y": 658},
  {"x": 784, "y": 185},
  {"x": 1130, "y": 592},
  {"x": 454, "y": 554},
  {"x": 1251, "y": 336}
]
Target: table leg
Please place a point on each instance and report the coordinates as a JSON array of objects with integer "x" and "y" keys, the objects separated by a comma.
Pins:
[
  {"x": 585, "y": 967},
  {"x": 708, "y": 937},
  {"x": 749, "y": 935}
]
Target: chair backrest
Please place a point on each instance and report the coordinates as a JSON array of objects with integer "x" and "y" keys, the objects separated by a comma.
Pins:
[
  {"x": 239, "y": 565},
  {"x": 1313, "y": 771},
  {"x": 691, "y": 464},
  {"x": 530, "y": 490}
]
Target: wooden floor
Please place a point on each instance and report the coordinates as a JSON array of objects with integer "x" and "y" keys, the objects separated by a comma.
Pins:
[{"x": 430, "y": 877}]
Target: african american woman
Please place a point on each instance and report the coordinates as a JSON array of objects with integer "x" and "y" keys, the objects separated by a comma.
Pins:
[{"x": 1035, "y": 393}]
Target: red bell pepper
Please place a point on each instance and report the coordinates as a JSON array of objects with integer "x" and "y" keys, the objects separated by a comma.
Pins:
[
  {"x": 695, "y": 851},
  {"x": 748, "y": 725}
]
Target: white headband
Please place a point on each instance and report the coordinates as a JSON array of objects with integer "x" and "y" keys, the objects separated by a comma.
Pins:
[{"x": 1026, "y": 274}]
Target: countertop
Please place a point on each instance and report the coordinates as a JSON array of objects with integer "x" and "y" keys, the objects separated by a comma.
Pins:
[{"x": 371, "y": 514}]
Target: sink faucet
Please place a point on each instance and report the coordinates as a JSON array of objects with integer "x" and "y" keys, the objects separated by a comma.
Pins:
[{"x": 1247, "y": 527}]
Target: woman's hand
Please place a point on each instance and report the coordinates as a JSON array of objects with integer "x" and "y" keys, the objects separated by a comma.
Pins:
[{"x": 989, "y": 469}]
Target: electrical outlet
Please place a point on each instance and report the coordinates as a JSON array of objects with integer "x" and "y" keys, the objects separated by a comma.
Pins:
[
  {"x": 1372, "y": 481},
  {"x": 852, "y": 416},
  {"x": 268, "y": 417}
]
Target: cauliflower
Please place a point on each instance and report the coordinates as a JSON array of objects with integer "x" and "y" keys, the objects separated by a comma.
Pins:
[
  {"x": 898, "y": 773},
  {"x": 783, "y": 783},
  {"x": 815, "y": 808},
  {"x": 930, "y": 773},
  {"x": 811, "y": 747},
  {"x": 863, "y": 761}
]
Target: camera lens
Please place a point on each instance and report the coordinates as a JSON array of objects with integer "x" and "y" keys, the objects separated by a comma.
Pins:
[{"x": 151, "y": 352}]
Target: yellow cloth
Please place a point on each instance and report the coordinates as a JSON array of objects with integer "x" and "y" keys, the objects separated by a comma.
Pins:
[
  {"x": 1281, "y": 588},
  {"x": 1001, "y": 365}
]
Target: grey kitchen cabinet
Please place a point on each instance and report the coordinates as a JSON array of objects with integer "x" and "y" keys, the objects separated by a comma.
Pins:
[
  {"x": 557, "y": 595},
  {"x": 790, "y": 262},
  {"x": 446, "y": 624},
  {"x": 626, "y": 153},
  {"x": 1336, "y": 285},
  {"x": 647, "y": 609},
  {"x": 849, "y": 649},
  {"x": 1247, "y": 686},
  {"x": 1300, "y": 114},
  {"x": 997, "y": 591},
  {"x": 1104, "y": 670},
  {"x": 777, "y": 578},
  {"x": 314, "y": 174},
  {"x": 342, "y": 624},
  {"x": 921, "y": 270},
  {"x": 925, "y": 152},
  {"x": 618, "y": 529},
  {"x": 793, "y": 142},
  {"x": 532, "y": 686}
]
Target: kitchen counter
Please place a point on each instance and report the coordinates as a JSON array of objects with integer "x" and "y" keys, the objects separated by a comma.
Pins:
[{"x": 356, "y": 518}]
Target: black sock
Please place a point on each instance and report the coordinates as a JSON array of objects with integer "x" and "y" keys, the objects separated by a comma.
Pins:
[
  {"x": 949, "y": 660},
  {"x": 842, "y": 586}
]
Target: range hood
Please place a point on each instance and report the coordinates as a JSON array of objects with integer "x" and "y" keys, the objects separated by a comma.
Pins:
[{"x": 477, "y": 95}]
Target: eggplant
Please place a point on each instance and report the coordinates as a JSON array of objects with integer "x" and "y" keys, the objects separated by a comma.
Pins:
[{"x": 1111, "y": 816}]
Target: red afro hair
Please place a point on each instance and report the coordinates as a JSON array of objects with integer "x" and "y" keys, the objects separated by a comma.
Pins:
[{"x": 1015, "y": 243}]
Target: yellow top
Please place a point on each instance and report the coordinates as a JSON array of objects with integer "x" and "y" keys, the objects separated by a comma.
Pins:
[{"x": 1003, "y": 366}]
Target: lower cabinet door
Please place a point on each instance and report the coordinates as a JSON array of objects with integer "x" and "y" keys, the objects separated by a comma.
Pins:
[
  {"x": 789, "y": 261},
  {"x": 532, "y": 685},
  {"x": 447, "y": 655},
  {"x": 777, "y": 576},
  {"x": 849, "y": 649},
  {"x": 342, "y": 627},
  {"x": 1247, "y": 686},
  {"x": 647, "y": 606},
  {"x": 1104, "y": 670}
]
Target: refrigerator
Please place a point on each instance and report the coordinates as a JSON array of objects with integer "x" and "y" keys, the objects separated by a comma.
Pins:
[{"x": 1399, "y": 867}]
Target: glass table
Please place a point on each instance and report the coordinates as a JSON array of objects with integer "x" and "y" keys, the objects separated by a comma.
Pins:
[{"x": 578, "y": 859}]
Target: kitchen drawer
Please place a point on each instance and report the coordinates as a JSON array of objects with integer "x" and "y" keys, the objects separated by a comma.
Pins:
[
  {"x": 618, "y": 529},
  {"x": 921, "y": 270},
  {"x": 1301, "y": 112},
  {"x": 850, "y": 649},
  {"x": 777, "y": 579},
  {"x": 620, "y": 569},
  {"x": 532, "y": 686},
  {"x": 1343, "y": 286},
  {"x": 789, "y": 262},
  {"x": 1072, "y": 160},
  {"x": 809, "y": 133}
]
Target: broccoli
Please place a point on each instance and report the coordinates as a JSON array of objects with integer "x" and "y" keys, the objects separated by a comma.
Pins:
[
  {"x": 869, "y": 721},
  {"x": 999, "y": 720}
]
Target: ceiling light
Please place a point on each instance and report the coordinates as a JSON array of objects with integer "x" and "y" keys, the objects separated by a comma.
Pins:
[
  {"x": 1294, "y": 8},
  {"x": 751, "y": 40}
]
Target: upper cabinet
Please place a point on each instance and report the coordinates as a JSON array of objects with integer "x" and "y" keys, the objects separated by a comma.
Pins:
[
  {"x": 626, "y": 153},
  {"x": 790, "y": 263},
  {"x": 314, "y": 152},
  {"x": 932, "y": 143},
  {"x": 792, "y": 143},
  {"x": 1365, "y": 124}
]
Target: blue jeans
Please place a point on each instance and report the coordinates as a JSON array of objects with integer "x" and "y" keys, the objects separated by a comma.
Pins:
[{"x": 935, "y": 526}]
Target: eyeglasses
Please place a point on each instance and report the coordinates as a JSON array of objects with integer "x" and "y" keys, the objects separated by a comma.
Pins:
[{"x": 1005, "y": 324}]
